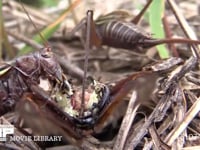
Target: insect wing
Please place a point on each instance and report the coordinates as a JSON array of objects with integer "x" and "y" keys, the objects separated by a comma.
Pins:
[{"x": 115, "y": 15}]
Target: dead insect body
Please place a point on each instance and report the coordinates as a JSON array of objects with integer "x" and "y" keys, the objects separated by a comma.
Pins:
[
  {"x": 19, "y": 75},
  {"x": 101, "y": 100},
  {"x": 97, "y": 96}
]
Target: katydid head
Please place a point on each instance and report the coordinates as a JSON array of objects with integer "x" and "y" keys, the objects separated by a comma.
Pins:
[
  {"x": 46, "y": 62},
  {"x": 49, "y": 64}
]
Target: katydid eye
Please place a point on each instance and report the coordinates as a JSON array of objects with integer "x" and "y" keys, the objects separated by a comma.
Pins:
[{"x": 46, "y": 55}]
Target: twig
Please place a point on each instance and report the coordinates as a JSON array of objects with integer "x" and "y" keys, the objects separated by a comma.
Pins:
[
  {"x": 192, "y": 112},
  {"x": 185, "y": 26},
  {"x": 170, "y": 85},
  {"x": 126, "y": 123},
  {"x": 168, "y": 34},
  {"x": 38, "y": 16},
  {"x": 24, "y": 39},
  {"x": 155, "y": 137}
]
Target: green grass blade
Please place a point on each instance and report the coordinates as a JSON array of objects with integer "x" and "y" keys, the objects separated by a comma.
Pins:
[
  {"x": 49, "y": 30},
  {"x": 41, "y": 3},
  {"x": 156, "y": 12}
]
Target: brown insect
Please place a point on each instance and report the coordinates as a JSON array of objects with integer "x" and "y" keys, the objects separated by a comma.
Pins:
[
  {"x": 112, "y": 30},
  {"x": 18, "y": 76},
  {"x": 22, "y": 74}
]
